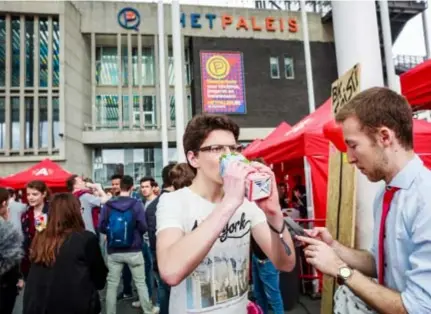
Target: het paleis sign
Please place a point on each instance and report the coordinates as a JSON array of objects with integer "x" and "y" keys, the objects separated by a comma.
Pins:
[{"x": 252, "y": 23}]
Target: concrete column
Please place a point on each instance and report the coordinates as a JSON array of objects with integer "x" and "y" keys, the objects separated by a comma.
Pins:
[
  {"x": 8, "y": 78},
  {"x": 427, "y": 33},
  {"x": 178, "y": 51},
  {"x": 141, "y": 104},
  {"x": 130, "y": 80},
  {"x": 307, "y": 54},
  {"x": 356, "y": 41},
  {"x": 50, "y": 54},
  {"x": 157, "y": 81},
  {"x": 387, "y": 43},
  {"x": 22, "y": 101},
  {"x": 162, "y": 81},
  {"x": 94, "y": 111},
  {"x": 36, "y": 85},
  {"x": 120, "y": 83}
]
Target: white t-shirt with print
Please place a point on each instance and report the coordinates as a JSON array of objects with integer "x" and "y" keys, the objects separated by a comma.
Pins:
[{"x": 219, "y": 285}]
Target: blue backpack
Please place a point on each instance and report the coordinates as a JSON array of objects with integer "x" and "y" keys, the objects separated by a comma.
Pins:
[{"x": 120, "y": 228}]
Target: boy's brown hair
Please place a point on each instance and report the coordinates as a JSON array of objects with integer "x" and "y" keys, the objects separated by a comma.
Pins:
[{"x": 200, "y": 126}]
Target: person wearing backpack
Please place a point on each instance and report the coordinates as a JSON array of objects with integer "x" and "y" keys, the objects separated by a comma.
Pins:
[{"x": 123, "y": 221}]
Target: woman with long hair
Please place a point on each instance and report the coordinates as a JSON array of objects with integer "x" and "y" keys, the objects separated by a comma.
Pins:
[
  {"x": 67, "y": 266},
  {"x": 10, "y": 256},
  {"x": 33, "y": 218}
]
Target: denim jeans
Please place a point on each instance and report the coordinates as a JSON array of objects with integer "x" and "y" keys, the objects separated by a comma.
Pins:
[
  {"x": 163, "y": 291},
  {"x": 148, "y": 258},
  {"x": 266, "y": 285},
  {"x": 116, "y": 262}
]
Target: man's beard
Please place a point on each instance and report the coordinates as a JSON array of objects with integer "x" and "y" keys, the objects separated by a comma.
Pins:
[{"x": 378, "y": 171}]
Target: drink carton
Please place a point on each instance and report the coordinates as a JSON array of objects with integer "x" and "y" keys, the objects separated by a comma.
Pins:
[{"x": 257, "y": 185}]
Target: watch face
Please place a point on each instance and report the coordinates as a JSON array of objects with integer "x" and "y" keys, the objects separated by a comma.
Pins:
[{"x": 345, "y": 272}]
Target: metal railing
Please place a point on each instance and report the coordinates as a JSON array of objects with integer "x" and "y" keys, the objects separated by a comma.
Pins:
[{"x": 407, "y": 62}]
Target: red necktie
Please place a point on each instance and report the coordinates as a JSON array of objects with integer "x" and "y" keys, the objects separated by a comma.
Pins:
[{"x": 387, "y": 199}]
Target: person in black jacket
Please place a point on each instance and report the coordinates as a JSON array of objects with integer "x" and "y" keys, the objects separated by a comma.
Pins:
[
  {"x": 11, "y": 253},
  {"x": 175, "y": 176},
  {"x": 67, "y": 265}
]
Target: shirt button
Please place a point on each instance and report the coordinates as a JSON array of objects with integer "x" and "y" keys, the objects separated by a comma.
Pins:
[{"x": 386, "y": 265}]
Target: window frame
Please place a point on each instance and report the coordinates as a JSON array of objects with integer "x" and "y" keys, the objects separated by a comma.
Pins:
[
  {"x": 271, "y": 59},
  {"x": 293, "y": 67}
]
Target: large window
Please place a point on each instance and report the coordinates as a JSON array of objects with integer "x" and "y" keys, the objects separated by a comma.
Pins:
[
  {"x": 274, "y": 67},
  {"x": 106, "y": 66},
  {"x": 289, "y": 72},
  {"x": 14, "y": 118},
  {"x": 136, "y": 162},
  {"x": 147, "y": 67},
  {"x": 55, "y": 122},
  {"x": 43, "y": 122},
  {"x": 29, "y": 122},
  {"x": 55, "y": 53},
  {"x": 107, "y": 72},
  {"x": 2, "y": 51},
  {"x": 33, "y": 43},
  {"x": 2, "y": 123},
  {"x": 107, "y": 110},
  {"x": 15, "y": 42},
  {"x": 43, "y": 52},
  {"x": 172, "y": 109},
  {"x": 187, "y": 67},
  {"x": 29, "y": 52}
]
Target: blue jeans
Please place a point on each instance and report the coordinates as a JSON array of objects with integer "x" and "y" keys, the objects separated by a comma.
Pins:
[
  {"x": 148, "y": 258},
  {"x": 163, "y": 291},
  {"x": 266, "y": 285}
]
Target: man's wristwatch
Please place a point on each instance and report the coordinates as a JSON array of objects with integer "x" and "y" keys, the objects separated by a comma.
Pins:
[{"x": 344, "y": 273}]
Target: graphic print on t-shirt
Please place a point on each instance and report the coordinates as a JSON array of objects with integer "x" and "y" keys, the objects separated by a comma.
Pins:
[{"x": 223, "y": 275}]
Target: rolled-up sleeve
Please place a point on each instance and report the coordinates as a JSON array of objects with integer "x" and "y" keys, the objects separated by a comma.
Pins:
[{"x": 416, "y": 296}]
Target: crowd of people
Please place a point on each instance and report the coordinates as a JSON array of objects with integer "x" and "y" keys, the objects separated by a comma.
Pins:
[
  {"x": 64, "y": 239},
  {"x": 192, "y": 238}
]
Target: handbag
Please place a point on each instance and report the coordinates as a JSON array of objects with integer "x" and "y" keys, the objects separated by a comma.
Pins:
[{"x": 253, "y": 308}]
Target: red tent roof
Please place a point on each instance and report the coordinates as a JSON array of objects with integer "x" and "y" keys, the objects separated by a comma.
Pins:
[
  {"x": 278, "y": 132},
  {"x": 47, "y": 171},
  {"x": 250, "y": 146},
  {"x": 422, "y": 136},
  {"x": 416, "y": 85},
  {"x": 304, "y": 138}
]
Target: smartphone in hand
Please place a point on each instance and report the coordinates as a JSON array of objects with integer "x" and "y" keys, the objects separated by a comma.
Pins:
[{"x": 295, "y": 230}]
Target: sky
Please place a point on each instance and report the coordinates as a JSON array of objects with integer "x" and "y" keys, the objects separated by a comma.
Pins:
[{"x": 409, "y": 42}]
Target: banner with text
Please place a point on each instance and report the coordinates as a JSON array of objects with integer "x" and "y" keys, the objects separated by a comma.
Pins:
[{"x": 223, "y": 86}]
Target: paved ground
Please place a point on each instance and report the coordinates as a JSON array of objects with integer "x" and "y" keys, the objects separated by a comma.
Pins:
[{"x": 311, "y": 307}]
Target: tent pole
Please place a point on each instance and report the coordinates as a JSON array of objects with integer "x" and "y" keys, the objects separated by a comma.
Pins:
[{"x": 310, "y": 212}]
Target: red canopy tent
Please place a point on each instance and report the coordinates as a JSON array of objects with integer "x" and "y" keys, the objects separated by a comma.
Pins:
[
  {"x": 257, "y": 145},
  {"x": 416, "y": 85},
  {"x": 306, "y": 139},
  {"x": 47, "y": 171},
  {"x": 250, "y": 146}
]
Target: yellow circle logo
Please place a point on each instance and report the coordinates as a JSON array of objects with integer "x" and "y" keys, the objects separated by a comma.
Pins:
[{"x": 218, "y": 67}]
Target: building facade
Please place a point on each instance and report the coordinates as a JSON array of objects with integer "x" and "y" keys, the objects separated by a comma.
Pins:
[{"x": 79, "y": 80}]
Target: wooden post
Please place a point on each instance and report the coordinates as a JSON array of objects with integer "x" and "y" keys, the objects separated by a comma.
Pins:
[{"x": 341, "y": 202}]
